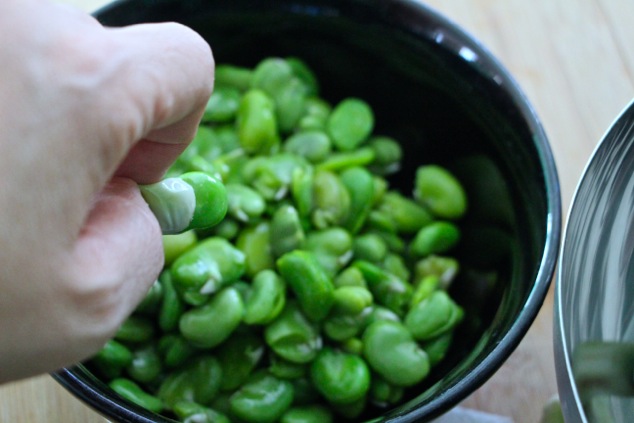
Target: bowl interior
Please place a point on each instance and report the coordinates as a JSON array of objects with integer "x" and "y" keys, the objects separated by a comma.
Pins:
[{"x": 447, "y": 101}]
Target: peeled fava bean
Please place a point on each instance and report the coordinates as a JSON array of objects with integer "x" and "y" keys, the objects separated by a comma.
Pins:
[{"x": 193, "y": 200}]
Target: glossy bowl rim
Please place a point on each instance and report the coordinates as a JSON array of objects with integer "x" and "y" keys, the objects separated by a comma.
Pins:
[{"x": 490, "y": 67}]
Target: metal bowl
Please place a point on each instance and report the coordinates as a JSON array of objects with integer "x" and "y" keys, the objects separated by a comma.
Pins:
[{"x": 593, "y": 298}]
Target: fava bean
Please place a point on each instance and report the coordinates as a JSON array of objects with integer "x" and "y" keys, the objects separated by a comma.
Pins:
[
  {"x": 238, "y": 357},
  {"x": 192, "y": 200},
  {"x": 146, "y": 365},
  {"x": 292, "y": 336},
  {"x": 198, "y": 382},
  {"x": 255, "y": 244},
  {"x": 313, "y": 145},
  {"x": 134, "y": 393},
  {"x": 309, "y": 282},
  {"x": 208, "y": 266},
  {"x": 190, "y": 412},
  {"x": 440, "y": 192},
  {"x": 342, "y": 378},
  {"x": 433, "y": 316},
  {"x": 307, "y": 414},
  {"x": 350, "y": 123},
  {"x": 267, "y": 298},
  {"x": 263, "y": 399},
  {"x": 233, "y": 76},
  {"x": 360, "y": 185},
  {"x": 175, "y": 245},
  {"x": 393, "y": 353},
  {"x": 287, "y": 233},
  {"x": 436, "y": 238},
  {"x": 212, "y": 323},
  {"x": 112, "y": 358},
  {"x": 257, "y": 124}
]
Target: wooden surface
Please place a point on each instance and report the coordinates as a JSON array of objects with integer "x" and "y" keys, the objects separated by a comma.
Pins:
[{"x": 574, "y": 61}]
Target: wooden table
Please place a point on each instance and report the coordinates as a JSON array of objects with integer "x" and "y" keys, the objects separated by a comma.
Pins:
[{"x": 574, "y": 61}]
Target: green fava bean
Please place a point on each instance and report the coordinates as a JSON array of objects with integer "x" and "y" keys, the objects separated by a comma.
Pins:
[
  {"x": 333, "y": 248},
  {"x": 152, "y": 299},
  {"x": 343, "y": 160},
  {"x": 392, "y": 352},
  {"x": 307, "y": 414},
  {"x": 208, "y": 266},
  {"x": 264, "y": 399},
  {"x": 257, "y": 123},
  {"x": 292, "y": 336},
  {"x": 341, "y": 327},
  {"x": 255, "y": 243},
  {"x": 350, "y": 276},
  {"x": 285, "y": 369},
  {"x": 424, "y": 289},
  {"x": 145, "y": 366},
  {"x": 437, "y": 348},
  {"x": 134, "y": 393},
  {"x": 445, "y": 268},
  {"x": 383, "y": 393},
  {"x": 112, "y": 358},
  {"x": 244, "y": 203},
  {"x": 266, "y": 300},
  {"x": 238, "y": 357},
  {"x": 212, "y": 323},
  {"x": 436, "y": 238},
  {"x": 395, "y": 264},
  {"x": 313, "y": 145},
  {"x": 272, "y": 176},
  {"x": 304, "y": 74},
  {"x": 233, "y": 76},
  {"x": 407, "y": 216},
  {"x": 340, "y": 377},
  {"x": 175, "y": 245},
  {"x": 370, "y": 247},
  {"x": 309, "y": 282},
  {"x": 352, "y": 300},
  {"x": 135, "y": 329},
  {"x": 387, "y": 289},
  {"x": 172, "y": 307},
  {"x": 302, "y": 190},
  {"x": 175, "y": 350},
  {"x": 433, "y": 316},
  {"x": 350, "y": 123},
  {"x": 190, "y": 412},
  {"x": 441, "y": 192},
  {"x": 287, "y": 233},
  {"x": 276, "y": 77},
  {"x": 316, "y": 112},
  {"x": 199, "y": 382},
  {"x": 222, "y": 105},
  {"x": 387, "y": 155},
  {"x": 331, "y": 200},
  {"x": 360, "y": 185}
]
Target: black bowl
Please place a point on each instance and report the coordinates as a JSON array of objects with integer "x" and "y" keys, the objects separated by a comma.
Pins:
[{"x": 444, "y": 96}]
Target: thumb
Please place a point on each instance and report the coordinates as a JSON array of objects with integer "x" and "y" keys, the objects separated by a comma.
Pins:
[{"x": 116, "y": 258}]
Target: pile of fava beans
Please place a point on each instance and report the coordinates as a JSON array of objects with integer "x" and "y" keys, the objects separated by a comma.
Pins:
[{"x": 322, "y": 293}]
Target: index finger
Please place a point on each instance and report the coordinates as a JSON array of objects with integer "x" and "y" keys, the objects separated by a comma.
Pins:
[{"x": 167, "y": 79}]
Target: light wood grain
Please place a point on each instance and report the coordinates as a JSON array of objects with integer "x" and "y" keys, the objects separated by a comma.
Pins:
[{"x": 572, "y": 59}]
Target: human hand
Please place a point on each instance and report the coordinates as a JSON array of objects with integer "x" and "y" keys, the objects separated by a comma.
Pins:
[{"x": 86, "y": 113}]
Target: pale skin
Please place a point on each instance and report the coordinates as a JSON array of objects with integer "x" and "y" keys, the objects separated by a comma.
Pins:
[{"x": 87, "y": 113}]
